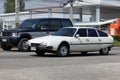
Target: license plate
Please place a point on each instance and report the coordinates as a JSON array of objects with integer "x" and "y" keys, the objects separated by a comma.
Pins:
[
  {"x": 4, "y": 40},
  {"x": 33, "y": 48}
]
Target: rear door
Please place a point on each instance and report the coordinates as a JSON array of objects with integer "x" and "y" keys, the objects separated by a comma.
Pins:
[
  {"x": 93, "y": 40},
  {"x": 103, "y": 37}
]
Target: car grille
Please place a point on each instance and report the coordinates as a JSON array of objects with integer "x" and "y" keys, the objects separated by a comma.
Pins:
[
  {"x": 7, "y": 34},
  {"x": 35, "y": 44}
]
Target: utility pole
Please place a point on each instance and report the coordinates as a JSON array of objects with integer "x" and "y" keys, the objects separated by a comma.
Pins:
[
  {"x": 17, "y": 14},
  {"x": 71, "y": 9}
]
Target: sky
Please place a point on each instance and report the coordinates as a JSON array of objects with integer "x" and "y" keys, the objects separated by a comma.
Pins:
[{"x": 1, "y": 6}]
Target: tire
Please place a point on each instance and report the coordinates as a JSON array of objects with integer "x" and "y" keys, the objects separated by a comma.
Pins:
[
  {"x": 84, "y": 53},
  {"x": 40, "y": 52},
  {"x": 6, "y": 47},
  {"x": 63, "y": 50},
  {"x": 21, "y": 45},
  {"x": 104, "y": 51}
]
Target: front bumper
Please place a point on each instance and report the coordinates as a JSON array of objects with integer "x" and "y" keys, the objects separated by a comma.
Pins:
[
  {"x": 9, "y": 40},
  {"x": 34, "y": 46}
]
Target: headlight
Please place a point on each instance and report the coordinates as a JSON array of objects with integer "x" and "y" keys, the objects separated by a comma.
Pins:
[
  {"x": 44, "y": 43},
  {"x": 28, "y": 43},
  {"x": 14, "y": 34}
]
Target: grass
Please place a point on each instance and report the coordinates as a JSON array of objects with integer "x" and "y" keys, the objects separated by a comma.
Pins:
[{"x": 117, "y": 43}]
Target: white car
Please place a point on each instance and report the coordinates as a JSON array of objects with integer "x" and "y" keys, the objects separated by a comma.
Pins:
[{"x": 73, "y": 39}]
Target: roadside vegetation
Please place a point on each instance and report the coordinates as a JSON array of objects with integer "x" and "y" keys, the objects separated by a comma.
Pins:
[{"x": 116, "y": 40}]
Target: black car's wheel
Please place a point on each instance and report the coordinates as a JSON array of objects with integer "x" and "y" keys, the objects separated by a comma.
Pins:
[
  {"x": 84, "y": 53},
  {"x": 22, "y": 45},
  {"x": 40, "y": 52},
  {"x": 104, "y": 51},
  {"x": 6, "y": 47},
  {"x": 63, "y": 50}
]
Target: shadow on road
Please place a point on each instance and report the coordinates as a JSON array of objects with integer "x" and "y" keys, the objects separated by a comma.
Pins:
[{"x": 74, "y": 55}]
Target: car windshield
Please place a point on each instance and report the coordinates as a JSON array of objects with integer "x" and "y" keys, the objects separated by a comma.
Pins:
[
  {"x": 65, "y": 32},
  {"x": 28, "y": 24}
]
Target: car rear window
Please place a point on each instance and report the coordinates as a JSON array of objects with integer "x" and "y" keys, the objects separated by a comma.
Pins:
[{"x": 102, "y": 34}]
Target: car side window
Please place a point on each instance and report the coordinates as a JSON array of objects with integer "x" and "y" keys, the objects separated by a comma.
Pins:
[
  {"x": 82, "y": 32},
  {"x": 102, "y": 34},
  {"x": 92, "y": 33},
  {"x": 55, "y": 24},
  {"x": 43, "y": 25},
  {"x": 66, "y": 23}
]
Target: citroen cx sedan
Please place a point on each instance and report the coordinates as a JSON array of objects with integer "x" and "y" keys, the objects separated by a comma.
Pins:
[{"x": 73, "y": 39}]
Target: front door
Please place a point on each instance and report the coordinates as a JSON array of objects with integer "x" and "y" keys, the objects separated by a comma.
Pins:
[{"x": 80, "y": 41}]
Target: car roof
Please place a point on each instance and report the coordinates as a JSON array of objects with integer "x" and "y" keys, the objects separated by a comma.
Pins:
[
  {"x": 81, "y": 27},
  {"x": 48, "y": 18}
]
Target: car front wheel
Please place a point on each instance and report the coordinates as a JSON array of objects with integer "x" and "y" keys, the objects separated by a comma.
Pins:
[
  {"x": 22, "y": 45},
  {"x": 63, "y": 50},
  {"x": 6, "y": 47},
  {"x": 104, "y": 51}
]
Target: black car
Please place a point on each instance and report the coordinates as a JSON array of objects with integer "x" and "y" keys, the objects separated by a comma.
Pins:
[{"x": 29, "y": 29}]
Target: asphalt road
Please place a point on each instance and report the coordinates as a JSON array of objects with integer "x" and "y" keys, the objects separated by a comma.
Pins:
[{"x": 16, "y": 65}]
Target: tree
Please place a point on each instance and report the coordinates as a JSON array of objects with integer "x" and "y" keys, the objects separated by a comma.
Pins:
[{"x": 9, "y": 6}]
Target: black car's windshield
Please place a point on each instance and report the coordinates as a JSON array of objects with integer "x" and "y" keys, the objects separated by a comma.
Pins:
[
  {"x": 65, "y": 32},
  {"x": 28, "y": 24}
]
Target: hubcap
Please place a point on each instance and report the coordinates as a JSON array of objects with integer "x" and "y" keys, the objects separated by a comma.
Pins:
[
  {"x": 105, "y": 50},
  {"x": 64, "y": 50},
  {"x": 24, "y": 45}
]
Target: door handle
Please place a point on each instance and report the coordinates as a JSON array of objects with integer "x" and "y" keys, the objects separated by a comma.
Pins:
[
  {"x": 87, "y": 40},
  {"x": 99, "y": 40}
]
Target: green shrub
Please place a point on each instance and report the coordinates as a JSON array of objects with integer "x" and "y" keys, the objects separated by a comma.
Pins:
[{"x": 116, "y": 38}]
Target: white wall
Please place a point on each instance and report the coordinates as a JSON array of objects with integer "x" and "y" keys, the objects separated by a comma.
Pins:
[{"x": 115, "y": 3}]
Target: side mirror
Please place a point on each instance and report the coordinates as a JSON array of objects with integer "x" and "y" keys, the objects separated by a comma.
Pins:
[{"x": 77, "y": 35}]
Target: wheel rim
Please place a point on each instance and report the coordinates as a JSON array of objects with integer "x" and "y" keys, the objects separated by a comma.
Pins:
[
  {"x": 64, "y": 50},
  {"x": 24, "y": 45},
  {"x": 105, "y": 50}
]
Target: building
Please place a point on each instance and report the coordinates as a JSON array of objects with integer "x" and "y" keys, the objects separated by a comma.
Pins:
[{"x": 98, "y": 9}]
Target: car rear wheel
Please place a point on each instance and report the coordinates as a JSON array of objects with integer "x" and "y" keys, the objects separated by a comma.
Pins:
[
  {"x": 40, "y": 52},
  {"x": 104, "y": 51},
  {"x": 63, "y": 50},
  {"x": 84, "y": 53},
  {"x": 6, "y": 47},
  {"x": 22, "y": 45}
]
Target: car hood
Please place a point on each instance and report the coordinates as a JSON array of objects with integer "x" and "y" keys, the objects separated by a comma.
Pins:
[{"x": 48, "y": 39}]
